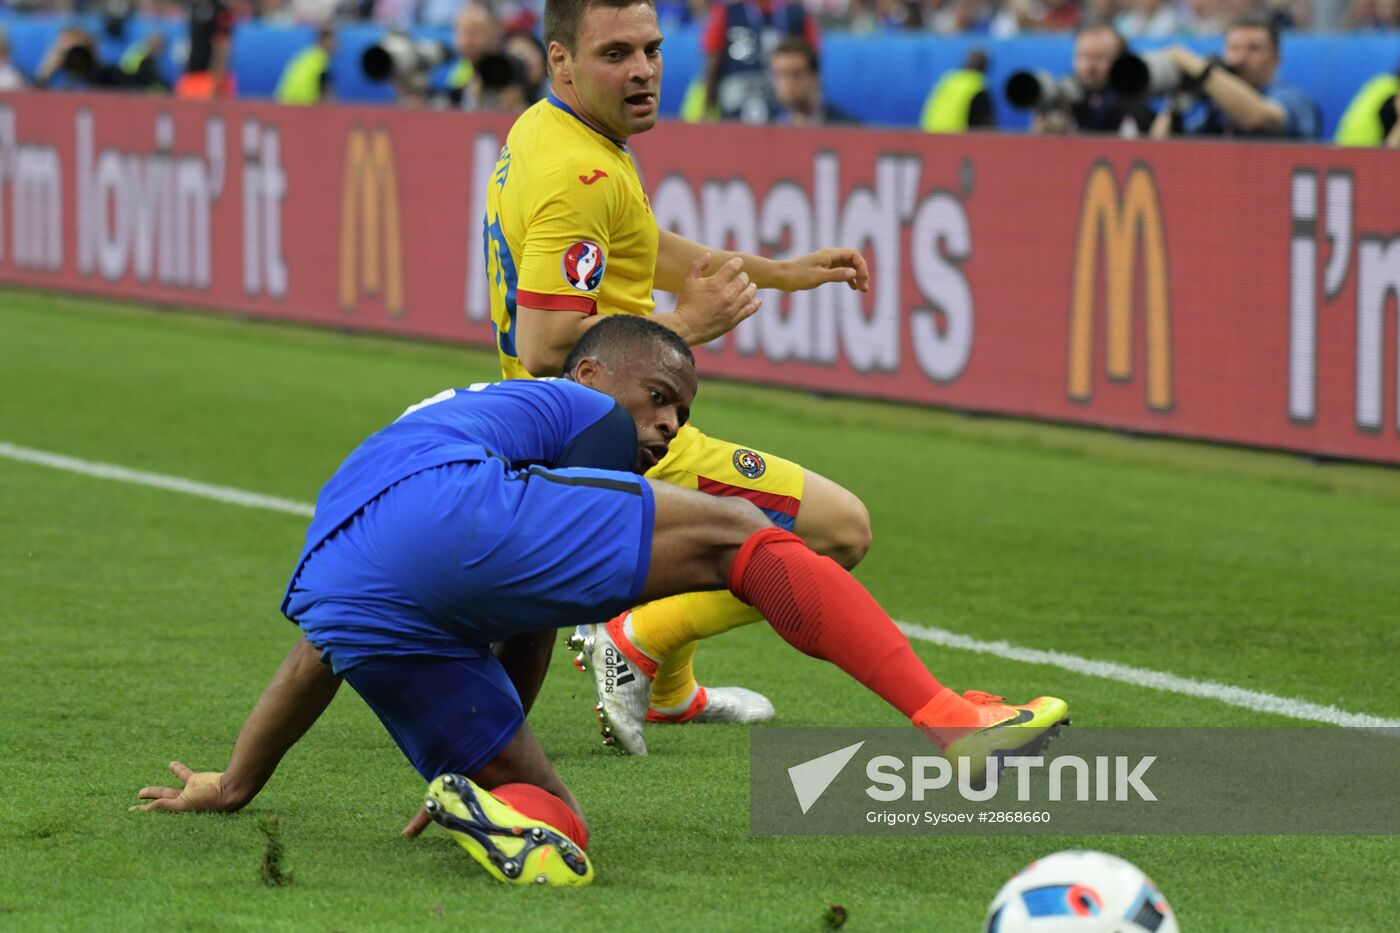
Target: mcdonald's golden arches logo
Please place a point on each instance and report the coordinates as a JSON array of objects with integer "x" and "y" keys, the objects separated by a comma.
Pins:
[
  {"x": 371, "y": 236},
  {"x": 1126, "y": 224}
]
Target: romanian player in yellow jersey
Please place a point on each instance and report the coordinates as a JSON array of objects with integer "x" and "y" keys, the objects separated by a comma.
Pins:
[{"x": 570, "y": 239}]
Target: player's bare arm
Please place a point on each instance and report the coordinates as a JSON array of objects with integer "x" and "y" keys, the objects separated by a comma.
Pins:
[
  {"x": 1244, "y": 105},
  {"x": 295, "y": 698},
  {"x": 675, "y": 254},
  {"x": 543, "y": 338},
  {"x": 712, "y": 303}
]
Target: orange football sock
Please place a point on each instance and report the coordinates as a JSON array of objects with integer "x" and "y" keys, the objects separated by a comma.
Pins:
[
  {"x": 539, "y": 804},
  {"x": 948, "y": 709},
  {"x": 820, "y": 609}
]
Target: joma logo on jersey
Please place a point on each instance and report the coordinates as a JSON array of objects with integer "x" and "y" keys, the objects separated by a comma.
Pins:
[
  {"x": 1126, "y": 224},
  {"x": 371, "y": 237},
  {"x": 583, "y": 266}
]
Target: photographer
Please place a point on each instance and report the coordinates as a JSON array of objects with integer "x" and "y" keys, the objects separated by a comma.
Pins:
[
  {"x": 208, "y": 73},
  {"x": 307, "y": 77},
  {"x": 796, "y": 73},
  {"x": 736, "y": 40},
  {"x": 72, "y": 63},
  {"x": 1098, "y": 109},
  {"x": 527, "y": 49},
  {"x": 959, "y": 101},
  {"x": 484, "y": 78},
  {"x": 1241, "y": 93},
  {"x": 1370, "y": 118}
]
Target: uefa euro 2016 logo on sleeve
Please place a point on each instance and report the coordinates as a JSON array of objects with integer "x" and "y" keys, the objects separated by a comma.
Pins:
[{"x": 583, "y": 266}]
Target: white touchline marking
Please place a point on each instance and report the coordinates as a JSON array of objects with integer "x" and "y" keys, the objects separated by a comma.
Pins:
[
  {"x": 1156, "y": 680},
  {"x": 1107, "y": 670},
  {"x": 227, "y": 494}
]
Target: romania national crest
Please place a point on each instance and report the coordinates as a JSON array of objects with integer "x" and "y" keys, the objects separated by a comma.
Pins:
[
  {"x": 749, "y": 463},
  {"x": 583, "y": 266}
]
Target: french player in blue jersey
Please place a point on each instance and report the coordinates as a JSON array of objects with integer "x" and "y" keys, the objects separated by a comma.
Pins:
[{"x": 508, "y": 509}]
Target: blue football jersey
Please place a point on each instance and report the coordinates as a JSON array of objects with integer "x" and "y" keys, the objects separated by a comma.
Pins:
[{"x": 545, "y": 422}]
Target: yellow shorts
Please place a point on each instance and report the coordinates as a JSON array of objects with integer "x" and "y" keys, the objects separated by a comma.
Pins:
[{"x": 722, "y": 468}]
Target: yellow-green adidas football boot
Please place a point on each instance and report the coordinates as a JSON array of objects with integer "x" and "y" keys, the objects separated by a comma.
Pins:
[{"x": 510, "y": 845}]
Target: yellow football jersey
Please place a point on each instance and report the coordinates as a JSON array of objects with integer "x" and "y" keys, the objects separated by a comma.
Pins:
[
  {"x": 723, "y": 468},
  {"x": 568, "y": 226}
]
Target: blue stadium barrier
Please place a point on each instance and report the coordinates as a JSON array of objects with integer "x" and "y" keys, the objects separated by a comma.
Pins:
[{"x": 883, "y": 78}]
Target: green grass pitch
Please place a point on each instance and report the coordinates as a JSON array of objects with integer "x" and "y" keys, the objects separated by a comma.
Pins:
[{"x": 138, "y": 625}]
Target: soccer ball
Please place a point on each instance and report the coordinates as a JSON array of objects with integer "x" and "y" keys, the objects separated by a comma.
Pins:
[{"x": 1080, "y": 892}]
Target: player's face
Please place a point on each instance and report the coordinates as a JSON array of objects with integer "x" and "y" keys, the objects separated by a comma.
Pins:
[
  {"x": 615, "y": 71},
  {"x": 656, "y": 390},
  {"x": 1250, "y": 53}
]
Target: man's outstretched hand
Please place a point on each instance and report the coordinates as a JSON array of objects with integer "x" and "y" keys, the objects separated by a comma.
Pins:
[
  {"x": 835, "y": 264},
  {"x": 712, "y": 305},
  {"x": 203, "y": 792}
]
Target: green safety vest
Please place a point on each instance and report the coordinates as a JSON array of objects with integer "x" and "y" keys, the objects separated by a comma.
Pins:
[
  {"x": 461, "y": 75},
  {"x": 693, "y": 106},
  {"x": 1361, "y": 123},
  {"x": 132, "y": 58},
  {"x": 131, "y": 61},
  {"x": 301, "y": 80},
  {"x": 945, "y": 110}
]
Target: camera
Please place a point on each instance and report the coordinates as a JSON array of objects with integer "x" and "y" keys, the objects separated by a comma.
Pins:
[
  {"x": 79, "y": 61},
  {"x": 1151, "y": 74},
  {"x": 1040, "y": 90},
  {"x": 402, "y": 58},
  {"x": 498, "y": 71}
]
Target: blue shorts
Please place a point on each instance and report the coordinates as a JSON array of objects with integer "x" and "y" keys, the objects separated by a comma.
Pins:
[
  {"x": 458, "y": 556},
  {"x": 447, "y": 715}
]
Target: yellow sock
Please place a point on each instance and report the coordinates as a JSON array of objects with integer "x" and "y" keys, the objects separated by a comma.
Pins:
[
  {"x": 660, "y": 628},
  {"x": 664, "y": 627},
  {"x": 674, "y": 685}
]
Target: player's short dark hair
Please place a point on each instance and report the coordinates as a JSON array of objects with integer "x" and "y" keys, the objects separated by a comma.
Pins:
[
  {"x": 796, "y": 45},
  {"x": 621, "y": 336},
  {"x": 562, "y": 18},
  {"x": 1256, "y": 21}
]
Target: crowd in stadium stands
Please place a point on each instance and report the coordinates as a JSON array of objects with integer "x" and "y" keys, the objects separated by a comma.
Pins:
[
  {"x": 1133, "y": 18},
  {"x": 763, "y": 62},
  {"x": 1148, "y": 18}
]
